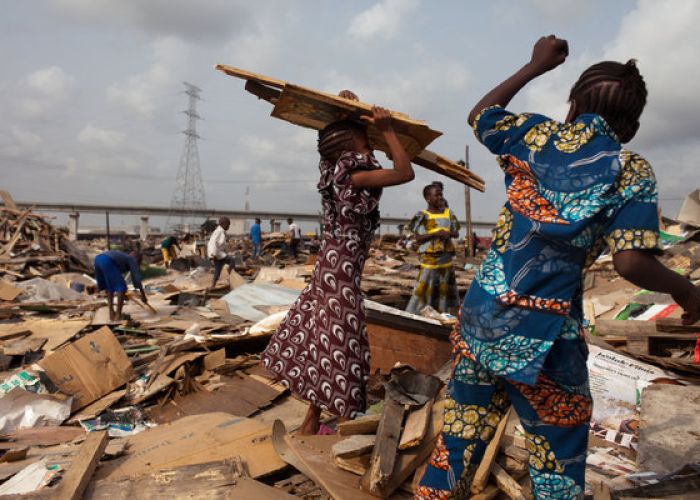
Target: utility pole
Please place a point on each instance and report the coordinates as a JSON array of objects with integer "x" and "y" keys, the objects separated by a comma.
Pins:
[
  {"x": 469, "y": 240},
  {"x": 107, "y": 228},
  {"x": 189, "y": 188}
]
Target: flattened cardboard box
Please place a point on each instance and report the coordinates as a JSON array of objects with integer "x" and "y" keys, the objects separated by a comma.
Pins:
[
  {"x": 89, "y": 368},
  {"x": 196, "y": 439}
]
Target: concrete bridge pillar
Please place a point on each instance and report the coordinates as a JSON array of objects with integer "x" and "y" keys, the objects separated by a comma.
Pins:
[
  {"x": 143, "y": 230},
  {"x": 73, "y": 226}
]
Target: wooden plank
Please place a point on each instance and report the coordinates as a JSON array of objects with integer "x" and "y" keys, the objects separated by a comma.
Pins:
[
  {"x": 491, "y": 491},
  {"x": 481, "y": 477},
  {"x": 76, "y": 479},
  {"x": 354, "y": 446},
  {"x": 314, "y": 109},
  {"x": 439, "y": 164},
  {"x": 416, "y": 426},
  {"x": 619, "y": 327},
  {"x": 506, "y": 483},
  {"x": 409, "y": 460},
  {"x": 214, "y": 480},
  {"x": 311, "y": 455},
  {"x": 249, "y": 75},
  {"x": 94, "y": 409},
  {"x": 384, "y": 454},
  {"x": 240, "y": 396},
  {"x": 362, "y": 425},
  {"x": 675, "y": 325},
  {"x": 390, "y": 345},
  {"x": 40, "y": 436},
  {"x": 356, "y": 465},
  {"x": 194, "y": 440},
  {"x": 22, "y": 346}
]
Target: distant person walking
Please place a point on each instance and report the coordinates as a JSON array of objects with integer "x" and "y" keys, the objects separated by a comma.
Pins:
[
  {"x": 321, "y": 351},
  {"x": 216, "y": 249},
  {"x": 256, "y": 238},
  {"x": 434, "y": 229},
  {"x": 294, "y": 236},
  {"x": 110, "y": 267},
  {"x": 167, "y": 248}
]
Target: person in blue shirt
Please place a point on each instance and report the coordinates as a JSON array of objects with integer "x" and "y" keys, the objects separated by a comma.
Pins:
[
  {"x": 256, "y": 238},
  {"x": 572, "y": 190},
  {"x": 110, "y": 268}
]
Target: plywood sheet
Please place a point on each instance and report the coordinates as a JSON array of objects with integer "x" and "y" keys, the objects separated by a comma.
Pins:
[
  {"x": 194, "y": 440},
  {"x": 314, "y": 109},
  {"x": 56, "y": 331},
  {"x": 241, "y": 396}
]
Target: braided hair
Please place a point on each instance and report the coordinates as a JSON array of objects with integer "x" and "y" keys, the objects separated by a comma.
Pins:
[
  {"x": 337, "y": 138},
  {"x": 616, "y": 92}
]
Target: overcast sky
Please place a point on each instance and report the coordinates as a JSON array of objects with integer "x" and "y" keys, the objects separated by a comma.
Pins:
[{"x": 91, "y": 93}]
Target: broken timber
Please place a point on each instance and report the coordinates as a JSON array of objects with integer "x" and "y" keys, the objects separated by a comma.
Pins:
[
  {"x": 314, "y": 109},
  {"x": 384, "y": 454}
]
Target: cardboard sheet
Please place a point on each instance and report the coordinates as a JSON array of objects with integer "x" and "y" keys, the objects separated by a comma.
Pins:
[{"x": 89, "y": 368}]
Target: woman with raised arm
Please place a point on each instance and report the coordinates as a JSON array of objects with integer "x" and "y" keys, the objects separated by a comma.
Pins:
[{"x": 572, "y": 190}]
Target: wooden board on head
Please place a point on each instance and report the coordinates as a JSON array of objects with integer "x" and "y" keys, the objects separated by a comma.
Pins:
[{"x": 314, "y": 109}]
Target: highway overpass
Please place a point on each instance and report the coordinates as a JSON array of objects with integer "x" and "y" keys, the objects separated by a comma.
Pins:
[{"x": 75, "y": 209}]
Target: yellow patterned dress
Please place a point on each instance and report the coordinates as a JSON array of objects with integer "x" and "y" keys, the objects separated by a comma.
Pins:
[{"x": 437, "y": 285}]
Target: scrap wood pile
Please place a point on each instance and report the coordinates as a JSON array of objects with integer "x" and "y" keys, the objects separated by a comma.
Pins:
[
  {"x": 175, "y": 403},
  {"x": 31, "y": 247},
  {"x": 390, "y": 273}
]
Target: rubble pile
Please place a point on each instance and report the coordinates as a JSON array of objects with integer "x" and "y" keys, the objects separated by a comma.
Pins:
[
  {"x": 174, "y": 402},
  {"x": 31, "y": 247}
]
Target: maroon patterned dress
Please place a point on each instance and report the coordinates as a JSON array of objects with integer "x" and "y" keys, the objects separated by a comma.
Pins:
[{"x": 320, "y": 351}]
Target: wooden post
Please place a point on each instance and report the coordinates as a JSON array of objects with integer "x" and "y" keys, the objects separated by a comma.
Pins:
[
  {"x": 468, "y": 208},
  {"x": 107, "y": 227},
  {"x": 483, "y": 472}
]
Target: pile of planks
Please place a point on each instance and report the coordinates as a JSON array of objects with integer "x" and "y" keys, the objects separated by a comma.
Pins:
[
  {"x": 390, "y": 450},
  {"x": 31, "y": 247}
]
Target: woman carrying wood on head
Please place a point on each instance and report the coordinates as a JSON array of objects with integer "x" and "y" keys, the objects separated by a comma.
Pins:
[{"x": 320, "y": 351}]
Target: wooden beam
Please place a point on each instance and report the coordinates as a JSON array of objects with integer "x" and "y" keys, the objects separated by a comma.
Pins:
[
  {"x": 506, "y": 483},
  {"x": 416, "y": 426},
  {"x": 262, "y": 91},
  {"x": 481, "y": 477},
  {"x": 76, "y": 479},
  {"x": 363, "y": 425},
  {"x": 675, "y": 325},
  {"x": 490, "y": 492},
  {"x": 354, "y": 446},
  {"x": 619, "y": 327},
  {"x": 384, "y": 453},
  {"x": 314, "y": 109}
]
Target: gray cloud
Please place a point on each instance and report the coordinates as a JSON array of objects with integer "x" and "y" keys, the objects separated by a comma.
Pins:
[{"x": 213, "y": 20}]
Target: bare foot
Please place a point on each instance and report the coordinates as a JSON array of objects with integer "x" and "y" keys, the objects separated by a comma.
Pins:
[{"x": 312, "y": 421}]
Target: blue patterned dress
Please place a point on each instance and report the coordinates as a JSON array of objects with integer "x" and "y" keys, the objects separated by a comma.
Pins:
[{"x": 572, "y": 191}]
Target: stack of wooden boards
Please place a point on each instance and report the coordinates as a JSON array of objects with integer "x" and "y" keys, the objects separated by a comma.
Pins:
[
  {"x": 31, "y": 247},
  {"x": 314, "y": 109},
  {"x": 377, "y": 454}
]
